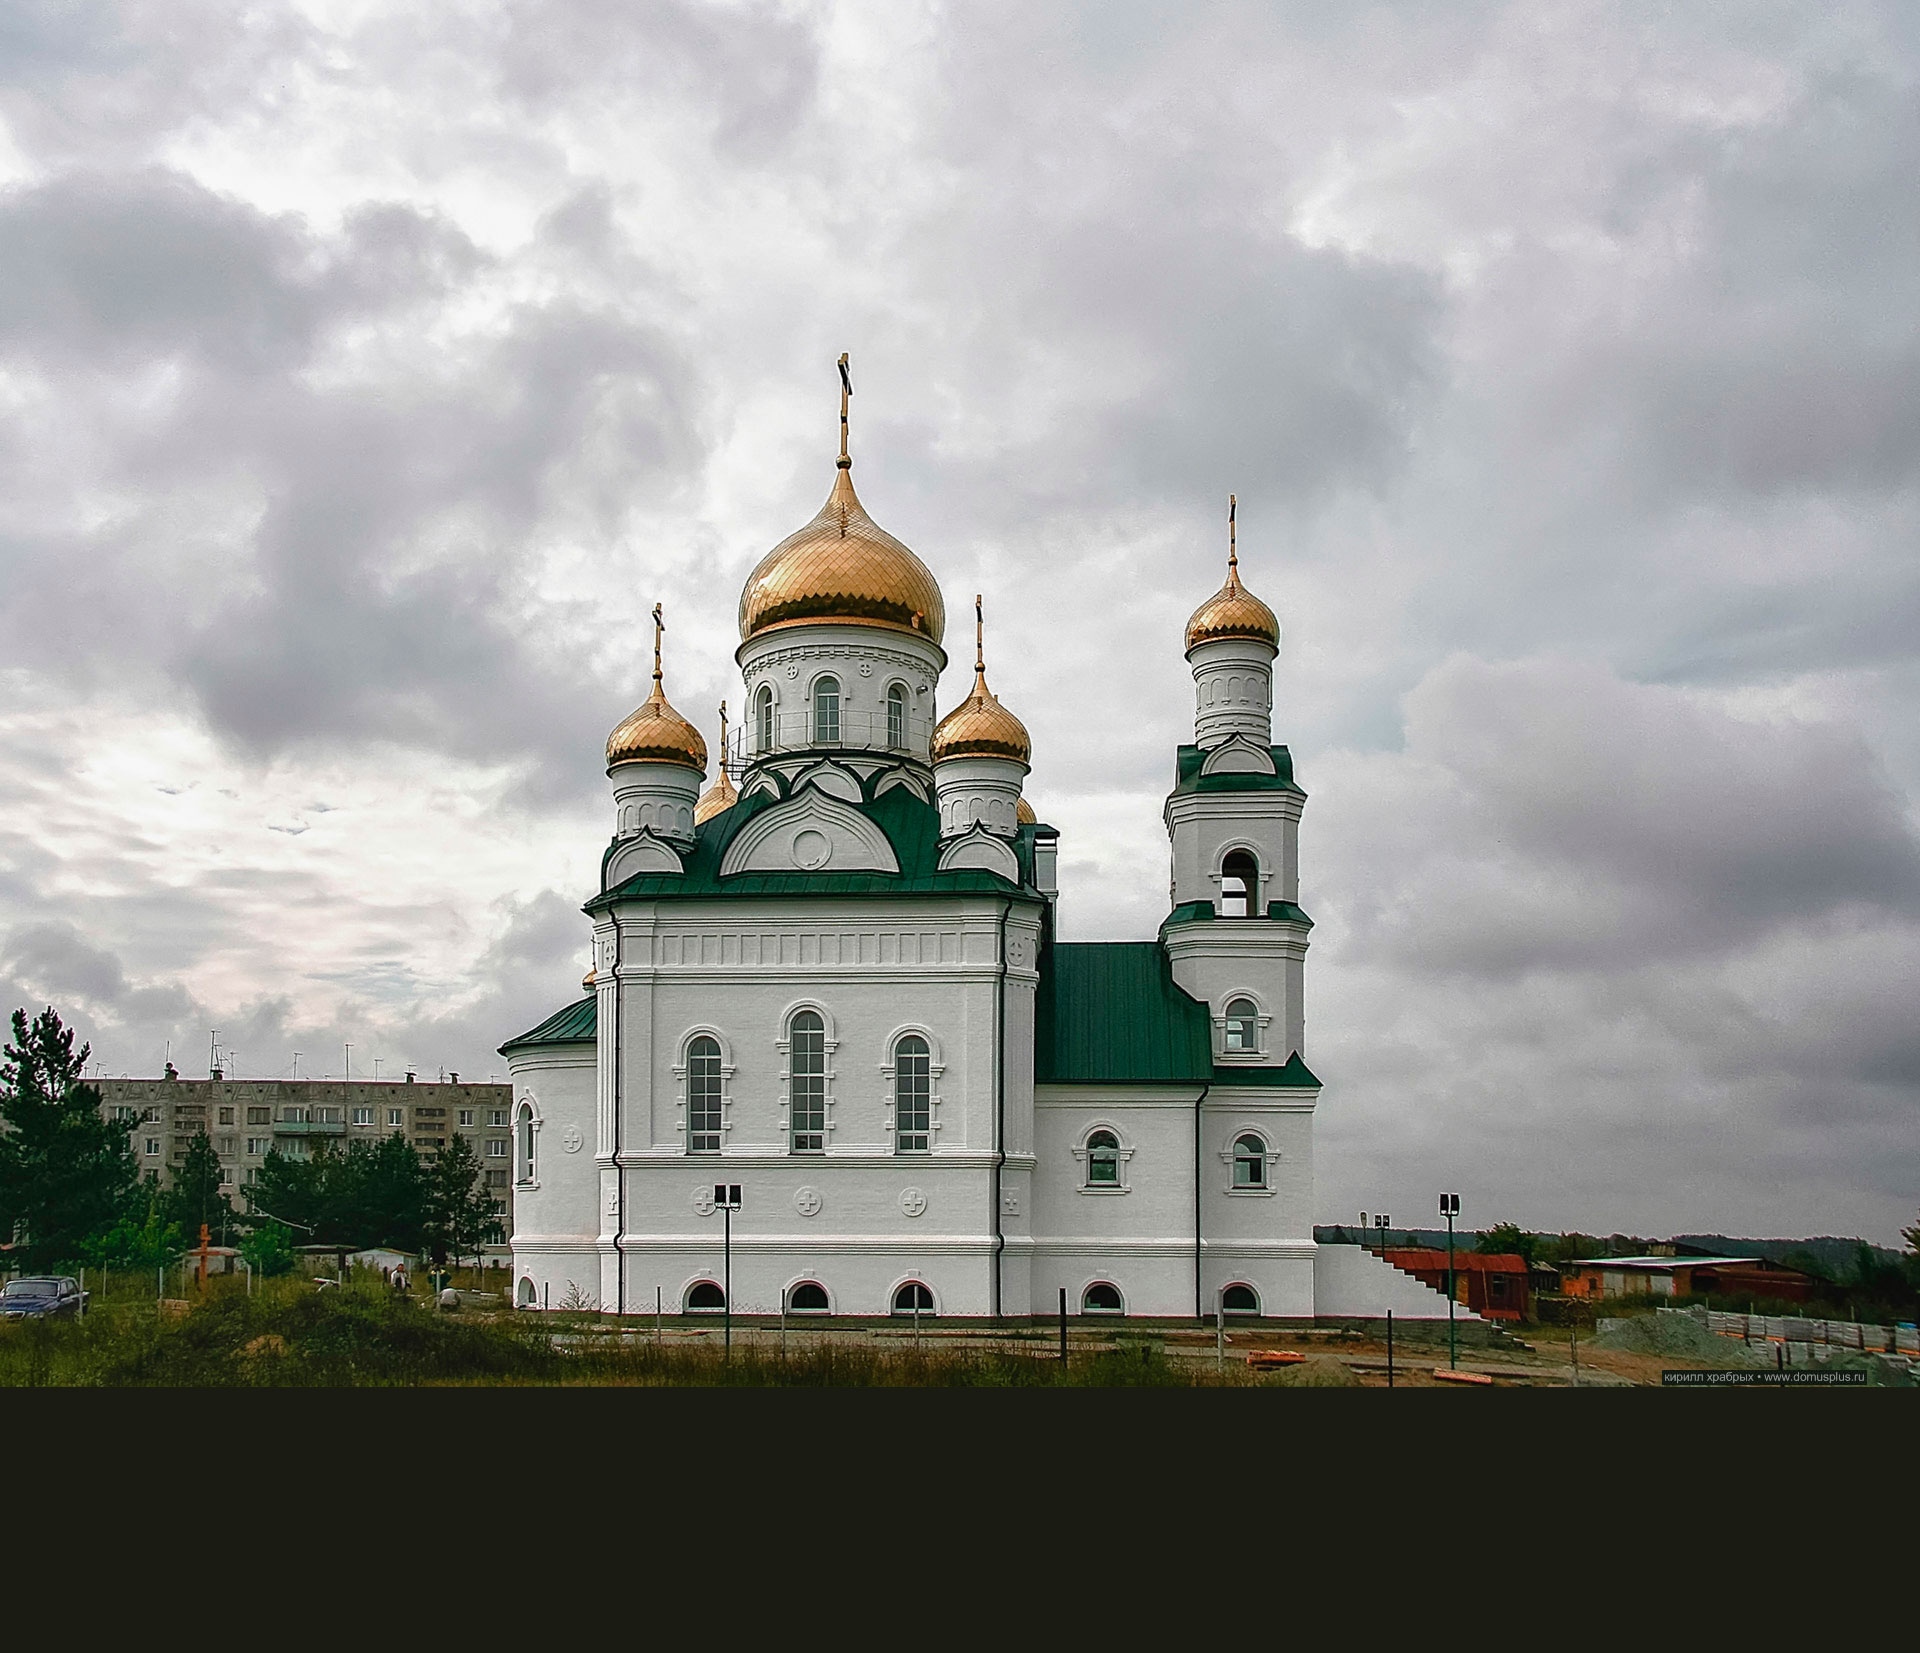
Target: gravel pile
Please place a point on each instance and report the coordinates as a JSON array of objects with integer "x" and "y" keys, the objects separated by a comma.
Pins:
[{"x": 1682, "y": 1337}]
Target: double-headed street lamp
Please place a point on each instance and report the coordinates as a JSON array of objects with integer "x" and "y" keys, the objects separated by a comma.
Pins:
[{"x": 1450, "y": 1208}]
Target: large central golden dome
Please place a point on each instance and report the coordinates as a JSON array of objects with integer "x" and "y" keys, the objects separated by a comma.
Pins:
[{"x": 842, "y": 566}]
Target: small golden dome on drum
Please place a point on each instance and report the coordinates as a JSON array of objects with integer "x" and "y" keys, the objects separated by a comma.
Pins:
[
  {"x": 586, "y": 981},
  {"x": 842, "y": 566},
  {"x": 1023, "y": 813},
  {"x": 656, "y": 733},
  {"x": 1233, "y": 610},
  {"x": 717, "y": 798},
  {"x": 981, "y": 727}
]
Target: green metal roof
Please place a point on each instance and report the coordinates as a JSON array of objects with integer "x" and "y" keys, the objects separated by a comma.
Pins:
[
  {"x": 572, "y": 1026},
  {"x": 1187, "y": 776},
  {"x": 911, "y": 827},
  {"x": 1110, "y": 1012},
  {"x": 1190, "y": 912}
]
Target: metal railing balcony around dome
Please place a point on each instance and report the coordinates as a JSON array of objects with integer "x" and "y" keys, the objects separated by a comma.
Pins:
[{"x": 853, "y": 729}]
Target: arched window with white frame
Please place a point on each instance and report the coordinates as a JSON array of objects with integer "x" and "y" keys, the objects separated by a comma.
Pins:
[
  {"x": 1240, "y": 1298},
  {"x": 1239, "y": 885},
  {"x": 897, "y": 715},
  {"x": 1102, "y": 1298},
  {"x": 826, "y": 712},
  {"x": 1249, "y": 1162},
  {"x": 524, "y": 1143},
  {"x": 1103, "y": 1160},
  {"x": 703, "y": 1095},
  {"x": 807, "y": 1083},
  {"x": 912, "y": 1095},
  {"x": 1242, "y": 1033},
  {"x": 763, "y": 720}
]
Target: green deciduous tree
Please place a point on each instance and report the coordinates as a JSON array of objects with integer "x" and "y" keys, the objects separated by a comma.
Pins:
[
  {"x": 66, "y": 1174},
  {"x": 269, "y": 1248},
  {"x": 1507, "y": 1240},
  {"x": 145, "y": 1239}
]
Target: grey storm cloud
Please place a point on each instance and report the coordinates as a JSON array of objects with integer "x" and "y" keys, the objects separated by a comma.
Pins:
[{"x": 367, "y": 378}]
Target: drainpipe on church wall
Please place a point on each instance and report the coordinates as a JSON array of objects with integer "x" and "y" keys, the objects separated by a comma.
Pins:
[
  {"x": 1199, "y": 1301},
  {"x": 999, "y": 1102},
  {"x": 619, "y": 1100}
]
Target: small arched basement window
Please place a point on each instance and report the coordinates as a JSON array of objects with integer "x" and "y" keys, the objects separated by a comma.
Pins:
[
  {"x": 911, "y": 1298},
  {"x": 826, "y": 712},
  {"x": 706, "y": 1298},
  {"x": 1240, "y": 1300},
  {"x": 1102, "y": 1299},
  {"x": 809, "y": 1297},
  {"x": 1239, "y": 885}
]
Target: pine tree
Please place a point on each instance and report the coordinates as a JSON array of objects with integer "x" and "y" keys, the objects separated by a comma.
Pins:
[
  {"x": 460, "y": 1214},
  {"x": 196, "y": 1196},
  {"x": 67, "y": 1175}
]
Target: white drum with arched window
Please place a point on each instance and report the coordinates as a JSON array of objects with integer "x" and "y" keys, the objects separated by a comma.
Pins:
[
  {"x": 807, "y": 1083},
  {"x": 703, "y": 1095},
  {"x": 912, "y": 1095},
  {"x": 826, "y": 712}
]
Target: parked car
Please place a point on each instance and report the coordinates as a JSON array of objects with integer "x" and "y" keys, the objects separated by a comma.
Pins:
[{"x": 38, "y": 1296}]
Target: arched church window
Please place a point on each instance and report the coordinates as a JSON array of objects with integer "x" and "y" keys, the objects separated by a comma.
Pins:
[
  {"x": 897, "y": 715},
  {"x": 912, "y": 1096},
  {"x": 809, "y": 1297},
  {"x": 527, "y": 1296},
  {"x": 826, "y": 712},
  {"x": 703, "y": 1096},
  {"x": 1239, "y": 885},
  {"x": 1243, "y": 1026},
  {"x": 705, "y": 1298},
  {"x": 1249, "y": 1163},
  {"x": 807, "y": 1083},
  {"x": 1102, "y": 1298},
  {"x": 1240, "y": 1300},
  {"x": 1103, "y": 1160},
  {"x": 763, "y": 720},
  {"x": 913, "y": 1298},
  {"x": 526, "y": 1142}
]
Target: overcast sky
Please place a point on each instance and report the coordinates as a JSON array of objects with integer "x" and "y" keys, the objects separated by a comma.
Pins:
[{"x": 367, "y": 372}]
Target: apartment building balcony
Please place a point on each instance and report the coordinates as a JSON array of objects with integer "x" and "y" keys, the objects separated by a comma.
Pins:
[{"x": 311, "y": 1126}]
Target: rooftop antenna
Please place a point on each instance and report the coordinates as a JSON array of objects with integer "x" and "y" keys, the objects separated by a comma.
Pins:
[
  {"x": 213, "y": 1049},
  {"x": 296, "y": 1064},
  {"x": 846, "y": 390},
  {"x": 349, "y": 1064}
]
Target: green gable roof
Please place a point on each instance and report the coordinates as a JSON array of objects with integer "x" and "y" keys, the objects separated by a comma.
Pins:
[
  {"x": 572, "y": 1026},
  {"x": 911, "y": 826},
  {"x": 1110, "y": 1012}
]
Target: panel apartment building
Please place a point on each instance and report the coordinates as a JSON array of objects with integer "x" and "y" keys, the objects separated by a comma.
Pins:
[{"x": 248, "y": 1118}]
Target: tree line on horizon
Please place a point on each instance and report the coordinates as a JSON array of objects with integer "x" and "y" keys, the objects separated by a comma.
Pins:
[{"x": 72, "y": 1193}]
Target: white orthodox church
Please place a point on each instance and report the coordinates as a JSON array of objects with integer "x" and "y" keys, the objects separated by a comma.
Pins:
[{"x": 833, "y": 982}]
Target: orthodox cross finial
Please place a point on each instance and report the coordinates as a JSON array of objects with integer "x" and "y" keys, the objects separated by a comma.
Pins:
[
  {"x": 659, "y": 626},
  {"x": 979, "y": 637},
  {"x": 846, "y": 390},
  {"x": 723, "y": 740},
  {"x": 1233, "y": 545}
]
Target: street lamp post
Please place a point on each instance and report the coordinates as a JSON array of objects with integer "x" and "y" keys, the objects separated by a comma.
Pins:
[
  {"x": 726, "y": 1195},
  {"x": 1381, "y": 1221},
  {"x": 1450, "y": 1208}
]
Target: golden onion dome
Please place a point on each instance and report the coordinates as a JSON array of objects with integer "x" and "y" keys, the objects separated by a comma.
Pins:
[
  {"x": 980, "y": 726},
  {"x": 717, "y": 798},
  {"x": 656, "y": 733},
  {"x": 587, "y": 980},
  {"x": 1024, "y": 815},
  {"x": 842, "y": 566},
  {"x": 1233, "y": 611}
]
